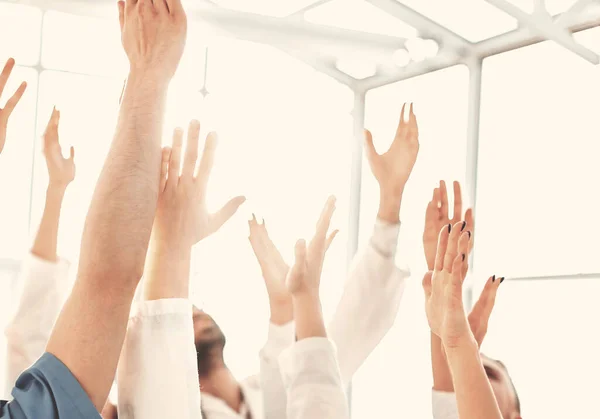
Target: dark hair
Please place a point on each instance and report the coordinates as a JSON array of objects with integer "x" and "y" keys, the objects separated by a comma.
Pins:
[{"x": 517, "y": 400}]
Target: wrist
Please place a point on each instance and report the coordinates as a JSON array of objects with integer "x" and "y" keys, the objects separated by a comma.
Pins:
[
  {"x": 389, "y": 204},
  {"x": 56, "y": 189},
  {"x": 143, "y": 77},
  {"x": 458, "y": 349},
  {"x": 282, "y": 310},
  {"x": 308, "y": 315}
]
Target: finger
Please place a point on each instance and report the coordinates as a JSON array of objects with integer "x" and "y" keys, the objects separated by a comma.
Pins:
[
  {"x": 12, "y": 103},
  {"x": 191, "y": 150},
  {"x": 161, "y": 6},
  {"x": 8, "y": 67},
  {"x": 207, "y": 160},
  {"x": 370, "y": 147},
  {"x": 470, "y": 223},
  {"x": 431, "y": 212},
  {"x": 456, "y": 280},
  {"x": 427, "y": 283},
  {"x": 121, "y": 6},
  {"x": 130, "y": 2},
  {"x": 413, "y": 129},
  {"x": 224, "y": 214},
  {"x": 51, "y": 133},
  {"x": 174, "y": 6},
  {"x": 443, "y": 200},
  {"x": 299, "y": 268},
  {"x": 482, "y": 300},
  {"x": 442, "y": 246},
  {"x": 457, "y": 202},
  {"x": 330, "y": 239},
  {"x": 489, "y": 296},
  {"x": 164, "y": 167},
  {"x": 325, "y": 218},
  {"x": 175, "y": 158},
  {"x": 463, "y": 249},
  {"x": 72, "y": 153},
  {"x": 401, "y": 122},
  {"x": 452, "y": 250}
]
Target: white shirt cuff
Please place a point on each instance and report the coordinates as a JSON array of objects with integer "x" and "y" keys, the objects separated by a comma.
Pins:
[
  {"x": 155, "y": 308},
  {"x": 443, "y": 405},
  {"x": 385, "y": 238}
]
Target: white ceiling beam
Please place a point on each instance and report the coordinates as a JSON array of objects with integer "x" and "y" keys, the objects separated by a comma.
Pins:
[
  {"x": 544, "y": 26},
  {"x": 573, "y": 13},
  {"x": 300, "y": 13},
  {"x": 298, "y": 32},
  {"x": 519, "y": 38},
  {"x": 424, "y": 24}
]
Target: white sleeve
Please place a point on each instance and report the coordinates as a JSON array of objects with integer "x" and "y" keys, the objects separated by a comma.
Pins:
[
  {"x": 370, "y": 301},
  {"x": 158, "y": 369},
  {"x": 40, "y": 294},
  {"x": 273, "y": 389},
  {"x": 443, "y": 405},
  {"x": 312, "y": 379}
]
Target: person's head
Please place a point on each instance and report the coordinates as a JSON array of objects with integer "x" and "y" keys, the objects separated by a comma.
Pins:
[
  {"x": 503, "y": 387},
  {"x": 209, "y": 341}
]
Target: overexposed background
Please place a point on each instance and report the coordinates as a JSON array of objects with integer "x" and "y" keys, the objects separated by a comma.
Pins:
[{"x": 285, "y": 142}]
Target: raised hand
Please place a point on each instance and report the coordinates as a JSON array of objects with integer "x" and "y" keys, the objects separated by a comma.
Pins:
[
  {"x": 393, "y": 168},
  {"x": 61, "y": 171},
  {"x": 482, "y": 310},
  {"x": 181, "y": 210},
  {"x": 305, "y": 275},
  {"x": 153, "y": 33},
  {"x": 443, "y": 288},
  {"x": 437, "y": 216},
  {"x": 274, "y": 268},
  {"x": 11, "y": 103}
]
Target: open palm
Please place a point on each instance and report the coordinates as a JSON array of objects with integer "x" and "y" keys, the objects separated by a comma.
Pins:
[
  {"x": 61, "y": 171},
  {"x": 10, "y": 103}
]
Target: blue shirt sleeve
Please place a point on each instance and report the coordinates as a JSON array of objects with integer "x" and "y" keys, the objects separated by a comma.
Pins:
[{"x": 48, "y": 390}]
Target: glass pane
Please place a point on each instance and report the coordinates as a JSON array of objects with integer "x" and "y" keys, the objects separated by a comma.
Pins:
[
  {"x": 361, "y": 16},
  {"x": 21, "y": 25},
  {"x": 551, "y": 354},
  {"x": 403, "y": 356},
  {"x": 537, "y": 164},
  {"x": 88, "y": 108},
  {"x": 96, "y": 48},
  {"x": 489, "y": 20},
  {"x": 15, "y": 165},
  {"x": 284, "y": 133}
]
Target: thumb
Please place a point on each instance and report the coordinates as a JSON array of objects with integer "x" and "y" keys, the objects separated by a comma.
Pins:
[
  {"x": 226, "y": 212},
  {"x": 297, "y": 271},
  {"x": 72, "y": 153},
  {"x": 330, "y": 239},
  {"x": 427, "y": 284},
  {"x": 370, "y": 147}
]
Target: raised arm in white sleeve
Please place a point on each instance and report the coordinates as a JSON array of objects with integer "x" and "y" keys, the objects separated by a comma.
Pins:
[
  {"x": 158, "y": 371},
  {"x": 41, "y": 290},
  {"x": 43, "y": 283},
  {"x": 312, "y": 378}
]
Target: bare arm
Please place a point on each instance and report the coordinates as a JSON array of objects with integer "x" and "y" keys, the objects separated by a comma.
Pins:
[
  {"x": 89, "y": 333},
  {"x": 447, "y": 319}
]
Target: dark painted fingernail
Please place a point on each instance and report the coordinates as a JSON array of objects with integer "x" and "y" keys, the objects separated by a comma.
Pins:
[
  {"x": 463, "y": 226},
  {"x": 494, "y": 278},
  {"x": 502, "y": 280},
  {"x": 469, "y": 235},
  {"x": 449, "y": 228},
  {"x": 463, "y": 257}
]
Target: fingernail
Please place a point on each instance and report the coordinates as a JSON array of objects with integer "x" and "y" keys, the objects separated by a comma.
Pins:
[
  {"x": 469, "y": 235},
  {"x": 449, "y": 228},
  {"x": 494, "y": 278},
  {"x": 463, "y": 226},
  {"x": 502, "y": 280},
  {"x": 463, "y": 257}
]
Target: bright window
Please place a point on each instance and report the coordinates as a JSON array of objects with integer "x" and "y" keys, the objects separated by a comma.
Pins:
[
  {"x": 20, "y": 28},
  {"x": 396, "y": 379},
  {"x": 538, "y": 164}
]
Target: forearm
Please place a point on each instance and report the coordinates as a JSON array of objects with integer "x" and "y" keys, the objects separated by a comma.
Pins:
[
  {"x": 121, "y": 214},
  {"x": 45, "y": 242},
  {"x": 167, "y": 273},
  {"x": 442, "y": 378},
  {"x": 308, "y": 316},
  {"x": 89, "y": 333},
  {"x": 474, "y": 395}
]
